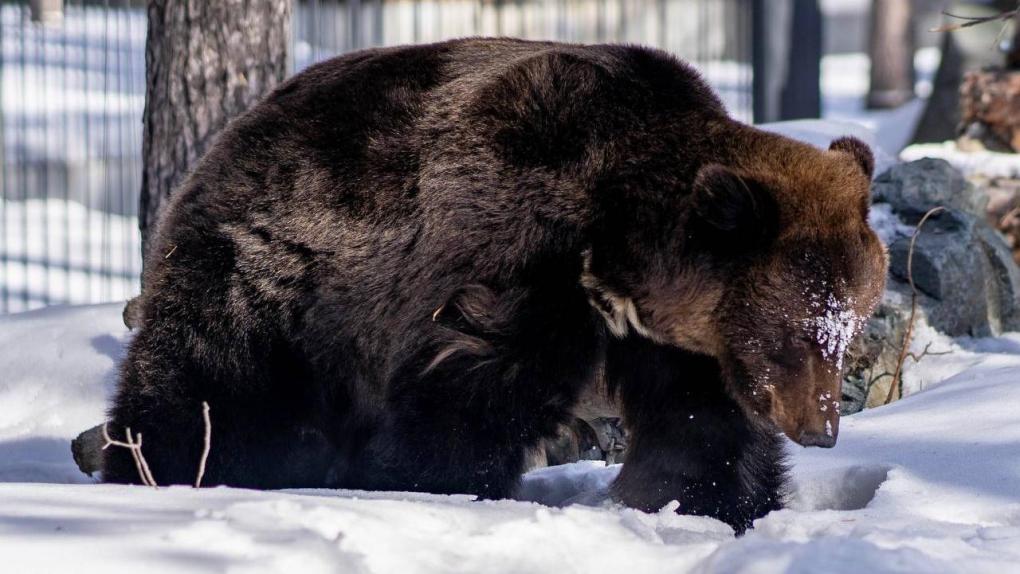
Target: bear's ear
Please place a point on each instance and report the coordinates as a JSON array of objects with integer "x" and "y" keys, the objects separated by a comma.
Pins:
[
  {"x": 731, "y": 213},
  {"x": 858, "y": 150}
]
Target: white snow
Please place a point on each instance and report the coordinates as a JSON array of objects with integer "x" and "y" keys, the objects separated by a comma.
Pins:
[
  {"x": 57, "y": 366},
  {"x": 985, "y": 163},
  {"x": 887, "y": 225},
  {"x": 845, "y": 81},
  {"x": 928, "y": 484}
]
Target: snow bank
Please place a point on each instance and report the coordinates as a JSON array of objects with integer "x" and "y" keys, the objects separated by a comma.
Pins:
[
  {"x": 57, "y": 366},
  {"x": 986, "y": 163},
  {"x": 928, "y": 484}
]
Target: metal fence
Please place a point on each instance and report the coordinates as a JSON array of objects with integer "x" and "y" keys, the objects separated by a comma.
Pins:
[{"x": 72, "y": 89}]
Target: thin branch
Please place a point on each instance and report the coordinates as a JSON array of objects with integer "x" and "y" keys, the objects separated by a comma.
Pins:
[
  {"x": 973, "y": 20},
  {"x": 877, "y": 378},
  {"x": 1004, "y": 220},
  {"x": 145, "y": 465},
  {"x": 207, "y": 444},
  {"x": 136, "y": 453},
  {"x": 905, "y": 346},
  {"x": 925, "y": 352}
]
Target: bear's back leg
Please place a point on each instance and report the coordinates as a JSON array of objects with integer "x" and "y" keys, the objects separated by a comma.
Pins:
[
  {"x": 209, "y": 333},
  {"x": 262, "y": 429}
]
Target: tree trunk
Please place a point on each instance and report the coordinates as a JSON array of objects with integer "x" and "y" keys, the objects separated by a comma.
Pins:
[
  {"x": 942, "y": 113},
  {"x": 205, "y": 62},
  {"x": 1013, "y": 56},
  {"x": 892, "y": 54}
]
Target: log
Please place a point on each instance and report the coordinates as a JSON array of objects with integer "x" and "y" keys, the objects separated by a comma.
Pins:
[{"x": 87, "y": 450}]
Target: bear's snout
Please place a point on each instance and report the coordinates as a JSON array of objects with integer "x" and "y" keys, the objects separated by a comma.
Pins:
[
  {"x": 817, "y": 439},
  {"x": 809, "y": 429},
  {"x": 810, "y": 417}
]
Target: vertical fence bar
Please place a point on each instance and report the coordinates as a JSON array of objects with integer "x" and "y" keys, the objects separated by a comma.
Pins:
[
  {"x": 759, "y": 61},
  {"x": 3, "y": 169},
  {"x": 24, "y": 163}
]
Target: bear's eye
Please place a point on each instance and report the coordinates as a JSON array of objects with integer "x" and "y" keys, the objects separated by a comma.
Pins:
[{"x": 794, "y": 351}]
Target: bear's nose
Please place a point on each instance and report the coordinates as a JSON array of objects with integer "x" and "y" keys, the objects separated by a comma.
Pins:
[{"x": 824, "y": 440}]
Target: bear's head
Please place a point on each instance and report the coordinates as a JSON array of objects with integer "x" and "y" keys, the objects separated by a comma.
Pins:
[{"x": 772, "y": 269}]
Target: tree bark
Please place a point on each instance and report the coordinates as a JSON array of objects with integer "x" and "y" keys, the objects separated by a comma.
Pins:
[
  {"x": 892, "y": 54},
  {"x": 206, "y": 61},
  {"x": 942, "y": 113},
  {"x": 1013, "y": 56}
]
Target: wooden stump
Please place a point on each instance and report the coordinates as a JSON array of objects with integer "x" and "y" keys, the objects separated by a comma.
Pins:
[{"x": 990, "y": 110}]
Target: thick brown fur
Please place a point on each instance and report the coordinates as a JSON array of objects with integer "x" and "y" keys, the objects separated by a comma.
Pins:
[{"x": 401, "y": 268}]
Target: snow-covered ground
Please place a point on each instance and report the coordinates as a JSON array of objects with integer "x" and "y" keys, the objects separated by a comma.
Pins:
[
  {"x": 845, "y": 81},
  {"x": 928, "y": 484},
  {"x": 983, "y": 163}
]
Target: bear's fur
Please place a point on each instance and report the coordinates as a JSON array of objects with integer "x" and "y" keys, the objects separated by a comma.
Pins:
[{"x": 401, "y": 268}]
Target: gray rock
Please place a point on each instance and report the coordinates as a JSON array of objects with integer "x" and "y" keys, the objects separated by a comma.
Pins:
[
  {"x": 873, "y": 356},
  {"x": 963, "y": 268},
  {"x": 1006, "y": 275},
  {"x": 915, "y": 187},
  {"x": 967, "y": 281}
]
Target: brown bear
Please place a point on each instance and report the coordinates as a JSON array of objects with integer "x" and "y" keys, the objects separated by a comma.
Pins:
[{"x": 401, "y": 268}]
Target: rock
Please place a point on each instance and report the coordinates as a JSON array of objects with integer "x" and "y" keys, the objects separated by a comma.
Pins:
[
  {"x": 87, "y": 450},
  {"x": 997, "y": 175},
  {"x": 963, "y": 268},
  {"x": 966, "y": 278},
  {"x": 872, "y": 358},
  {"x": 915, "y": 187}
]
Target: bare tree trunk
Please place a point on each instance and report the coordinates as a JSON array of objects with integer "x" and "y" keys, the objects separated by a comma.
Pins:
[
  {"x": 942, "y": 113},
  {"x": 892, "y": 53},
  {"x": 206, "y": 61},
  {"x": 1013, "y": 56}
]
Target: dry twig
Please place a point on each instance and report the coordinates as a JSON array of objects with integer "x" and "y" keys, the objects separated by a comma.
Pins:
[
  {"x": 207, "y": 444},
  {"x": 925, "y": 352},
  {"x": 905, "y": 346},
  {"x": 134, "y": 445},
  {"x": 973, "y": 20},
  {"x": 1004, "y": 220}
]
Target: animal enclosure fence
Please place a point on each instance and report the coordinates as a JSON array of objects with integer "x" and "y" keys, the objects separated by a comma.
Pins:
[{"x": 72, "y": 93}]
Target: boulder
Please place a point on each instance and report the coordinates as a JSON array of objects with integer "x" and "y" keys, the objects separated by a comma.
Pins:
[
  {"x": 915, "y": 187},
  {"x": 963, "y": 269}
]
